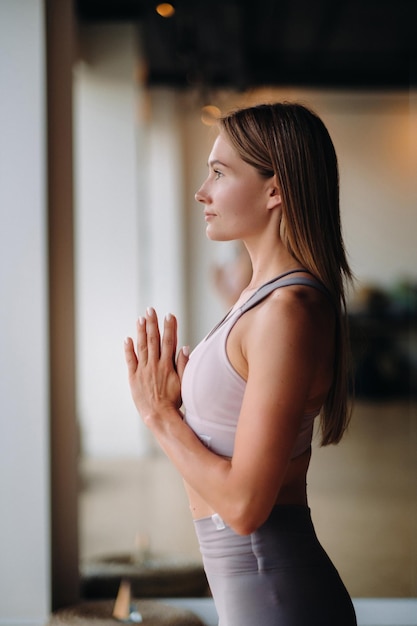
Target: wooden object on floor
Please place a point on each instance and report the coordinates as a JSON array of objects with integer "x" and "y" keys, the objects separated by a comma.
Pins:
[{"x": 121, "y": 609}]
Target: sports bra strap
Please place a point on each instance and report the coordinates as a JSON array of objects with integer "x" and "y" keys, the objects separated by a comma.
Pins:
[{"x": 268, "y": 288}]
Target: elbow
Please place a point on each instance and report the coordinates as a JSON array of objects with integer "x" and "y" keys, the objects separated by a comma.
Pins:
[
  {"x": 246, "y": 520},
  {"x": 244, "y": 528}
]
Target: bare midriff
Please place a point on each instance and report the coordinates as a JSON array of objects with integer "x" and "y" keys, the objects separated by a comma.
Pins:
[{"x": 293, "y": 490}]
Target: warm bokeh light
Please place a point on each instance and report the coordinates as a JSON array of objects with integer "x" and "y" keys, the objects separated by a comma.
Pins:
[
  {"x": 165, "y": 9},
  {"x": 210, "y": 114}
]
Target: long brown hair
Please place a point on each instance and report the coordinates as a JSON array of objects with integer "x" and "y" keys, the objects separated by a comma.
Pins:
[{"x": 291, "y": 142}]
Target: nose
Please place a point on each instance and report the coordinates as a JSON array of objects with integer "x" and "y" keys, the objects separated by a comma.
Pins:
[
  {"x": 198, "y": 196},
  {"x": 201, "y": 195}
]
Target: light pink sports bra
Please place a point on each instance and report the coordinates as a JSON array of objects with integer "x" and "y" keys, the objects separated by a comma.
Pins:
[{"x": 212, "y": 390}]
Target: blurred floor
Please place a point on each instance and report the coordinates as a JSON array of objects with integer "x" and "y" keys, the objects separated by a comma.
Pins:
[{"x": 362, "y": 494}]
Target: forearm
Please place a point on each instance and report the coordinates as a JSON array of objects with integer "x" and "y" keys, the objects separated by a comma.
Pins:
[{"x": 211, "y": 476}]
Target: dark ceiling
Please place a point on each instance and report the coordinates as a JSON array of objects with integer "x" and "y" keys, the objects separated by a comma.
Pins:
[{"x": 358, "y": 44}]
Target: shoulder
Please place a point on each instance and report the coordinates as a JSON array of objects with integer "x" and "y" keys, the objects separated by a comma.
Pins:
[
  {"x": 293, "y": 323},
  {"x": 294, "y": 318},
  {"x": 294, "y": 303}
]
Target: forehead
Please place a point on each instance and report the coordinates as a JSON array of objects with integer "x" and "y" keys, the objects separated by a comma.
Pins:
[{"x": 223, "y": 151}]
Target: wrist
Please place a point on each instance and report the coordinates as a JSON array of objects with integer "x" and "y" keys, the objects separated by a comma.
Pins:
[{"x": 162, "y": 417}]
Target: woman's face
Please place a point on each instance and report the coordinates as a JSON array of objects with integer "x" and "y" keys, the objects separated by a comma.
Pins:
[{"x": 235, "y": 196}]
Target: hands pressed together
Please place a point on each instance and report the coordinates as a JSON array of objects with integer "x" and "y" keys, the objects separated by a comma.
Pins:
[{"x": 154, "y": 371}]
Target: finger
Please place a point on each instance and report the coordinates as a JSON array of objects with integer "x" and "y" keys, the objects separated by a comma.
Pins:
[
  {"x": 182, "y": 360},
  {"x": 130, "y": 356},
  {"x": 153, "y": 336},
  {"x": 169, "y": 339},
  {"x": 141, "y": 341}
]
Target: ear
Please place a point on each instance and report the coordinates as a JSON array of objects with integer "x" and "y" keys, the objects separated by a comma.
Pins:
[{"x": 274, "y": 195}]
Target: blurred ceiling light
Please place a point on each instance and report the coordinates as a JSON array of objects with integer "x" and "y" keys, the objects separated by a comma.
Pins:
[
  {"x": 165, "y": 9},
  {"x": 210, "y": 114}
]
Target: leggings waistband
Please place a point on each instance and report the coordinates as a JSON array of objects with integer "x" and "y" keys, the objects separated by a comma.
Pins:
[{"x": 286, "y": 515}]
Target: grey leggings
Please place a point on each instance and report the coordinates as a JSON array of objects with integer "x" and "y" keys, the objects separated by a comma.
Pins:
[{"x": 278, "y": 576}]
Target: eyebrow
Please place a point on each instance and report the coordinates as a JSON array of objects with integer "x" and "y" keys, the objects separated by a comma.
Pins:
[{"x": 216, "y": 162}]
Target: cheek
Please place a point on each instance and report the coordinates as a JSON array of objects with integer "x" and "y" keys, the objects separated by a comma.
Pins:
[
  {"x": 239, "y": 195},
  {"x": 245, "y": 202}
]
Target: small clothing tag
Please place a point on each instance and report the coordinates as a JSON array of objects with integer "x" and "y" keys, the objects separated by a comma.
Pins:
[
  {"x": 206, "y": 439},
  {"x": 218, "y": 522}
]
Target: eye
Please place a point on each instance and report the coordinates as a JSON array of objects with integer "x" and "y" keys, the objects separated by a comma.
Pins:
[{"x": 217, "y": 174}]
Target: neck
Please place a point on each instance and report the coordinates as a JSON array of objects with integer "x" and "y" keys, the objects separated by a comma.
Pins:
[{"x": 267, "y": 264}]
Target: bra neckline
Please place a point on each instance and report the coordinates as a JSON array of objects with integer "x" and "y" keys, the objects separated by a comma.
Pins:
[{"x": 236, "y": 309}]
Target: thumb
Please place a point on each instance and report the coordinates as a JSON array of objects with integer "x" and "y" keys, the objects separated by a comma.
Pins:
[{"x": 182, "y": 360}]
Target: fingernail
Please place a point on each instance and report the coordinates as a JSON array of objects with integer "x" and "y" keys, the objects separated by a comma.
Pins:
[
  {"x": 186, "y": 351},
  {"x": 141, "y": 320},
  {"x": 149, "y": 310},
  {"x": 168, "y": 317}
]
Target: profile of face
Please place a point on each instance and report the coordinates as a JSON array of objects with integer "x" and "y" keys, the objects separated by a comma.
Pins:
[{"x": 239, "y": 202}]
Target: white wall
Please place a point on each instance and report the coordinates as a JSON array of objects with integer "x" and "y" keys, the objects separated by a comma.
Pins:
[
  {"x": 129, "y": 244},
  {"x": 106, "y": 237},
  {"x": 24, "y": 442},
  {"x": 373, "y": 138}
]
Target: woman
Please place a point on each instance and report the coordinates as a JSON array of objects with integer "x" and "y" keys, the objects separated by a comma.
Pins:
[{"x": 253, "y": 387}]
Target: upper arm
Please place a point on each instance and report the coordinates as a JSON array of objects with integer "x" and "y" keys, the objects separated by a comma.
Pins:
[{"x": 280, "y": 345}]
